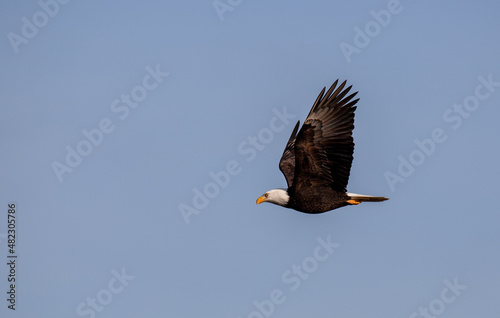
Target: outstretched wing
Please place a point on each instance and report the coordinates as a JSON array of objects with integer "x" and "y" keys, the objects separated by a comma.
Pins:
[
  {"x": 324, "y": 145},
  {"x": 287, "y": 161}
]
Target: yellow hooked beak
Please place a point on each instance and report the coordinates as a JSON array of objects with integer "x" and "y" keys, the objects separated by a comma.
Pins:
[{"x": 261, "y": 199}]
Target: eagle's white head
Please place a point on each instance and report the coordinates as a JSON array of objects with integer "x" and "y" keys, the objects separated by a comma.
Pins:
[{"x": 276, "y": 196}]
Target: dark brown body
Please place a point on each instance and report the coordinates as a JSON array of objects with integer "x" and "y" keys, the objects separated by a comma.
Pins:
[{"x": 316, "y": 200}]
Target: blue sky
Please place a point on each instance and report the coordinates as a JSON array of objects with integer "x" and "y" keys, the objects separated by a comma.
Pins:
[{"x": 115, "y": 117}]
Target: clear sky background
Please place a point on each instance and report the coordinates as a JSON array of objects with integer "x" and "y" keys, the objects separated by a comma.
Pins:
[{"x": 102, "y": 233}]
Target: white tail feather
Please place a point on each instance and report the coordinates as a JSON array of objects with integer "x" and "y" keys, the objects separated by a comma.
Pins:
[{"x": 363, "y": 197}]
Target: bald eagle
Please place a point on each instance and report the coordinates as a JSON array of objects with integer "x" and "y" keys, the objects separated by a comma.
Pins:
[{"x": 317, "y": 160}]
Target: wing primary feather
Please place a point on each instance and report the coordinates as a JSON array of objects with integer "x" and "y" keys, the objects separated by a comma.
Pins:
[
  {"x": 294, "y": 133},
  {"x": 328, "y": 94},
  {"x": 287, "y": 161},
  {"x": 341, "y": 95},
  {"x": 339, "y": 89},
  {"x": 317, "y": 102},
  {"x": 343, "y": 102}
]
